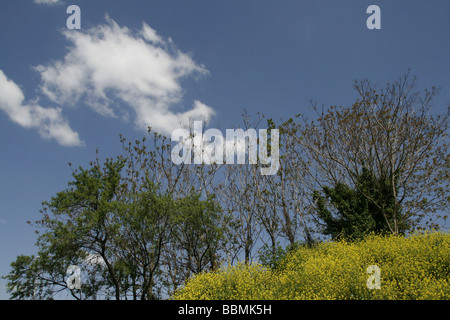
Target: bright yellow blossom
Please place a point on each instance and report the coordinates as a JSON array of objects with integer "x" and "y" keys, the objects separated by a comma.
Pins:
[{"x": 414, "y": 267}]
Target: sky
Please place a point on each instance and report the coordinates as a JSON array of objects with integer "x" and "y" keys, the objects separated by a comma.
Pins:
[{"x": 132, "y": 64}]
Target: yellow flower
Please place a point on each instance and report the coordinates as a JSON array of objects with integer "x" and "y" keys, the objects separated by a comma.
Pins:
[{"x": 414, "y": 267}]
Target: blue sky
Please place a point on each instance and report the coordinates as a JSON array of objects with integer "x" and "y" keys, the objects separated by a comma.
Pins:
[{"x": 63, "y": 93}]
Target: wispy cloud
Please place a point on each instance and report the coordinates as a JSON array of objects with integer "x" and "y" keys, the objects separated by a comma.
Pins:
[
  {"x": 49, "y": 122},
  {"x": 119, "y": 72},
  {"x": 48, "y": 2}
]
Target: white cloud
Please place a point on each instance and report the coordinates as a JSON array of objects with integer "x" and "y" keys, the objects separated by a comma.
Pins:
[
  {"x": 49, "y": 122},
  {"x": 109, "y": 66},
  {"x": 50, "y": 2}
]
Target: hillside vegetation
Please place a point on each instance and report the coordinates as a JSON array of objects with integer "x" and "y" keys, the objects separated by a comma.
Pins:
[{"x": 414, "y": 267}]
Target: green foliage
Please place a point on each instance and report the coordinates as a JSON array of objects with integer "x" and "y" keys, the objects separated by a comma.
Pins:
[
  {"x": 269, "y": 257},
  {"x": 199, "y": 231},
  {"x": 366, "y": 208},
  {"x": 273, "y": 257},
  {"x": 118, "y": 231}
]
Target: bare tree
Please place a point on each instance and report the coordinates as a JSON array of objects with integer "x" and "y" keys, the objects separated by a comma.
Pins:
[{"x": 391, "y": 132}]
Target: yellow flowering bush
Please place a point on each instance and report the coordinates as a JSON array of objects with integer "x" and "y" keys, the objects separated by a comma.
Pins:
[{"x": 414, "y": 267}]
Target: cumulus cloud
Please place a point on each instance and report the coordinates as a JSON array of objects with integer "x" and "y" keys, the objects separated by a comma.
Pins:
[
  {"x": 49, "y": 122},
  {"x": 119, "y": 72}
]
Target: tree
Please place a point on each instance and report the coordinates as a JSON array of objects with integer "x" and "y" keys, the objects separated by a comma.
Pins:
[
  {"x": 116, "y": 224},
  {"x": 348, "y": 214},
  {"x": 75, "y": 222},
  {"x": 392, "y": 133},
  {"x": 139, "y": 225}
]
